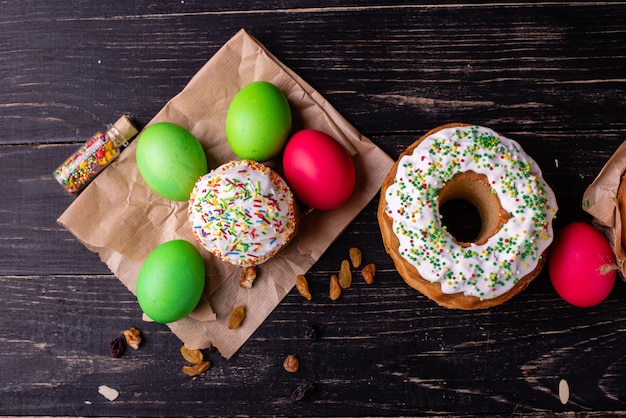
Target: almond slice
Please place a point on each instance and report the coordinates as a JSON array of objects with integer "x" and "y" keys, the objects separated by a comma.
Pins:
[
  {"x": 563, "y": 391},
  {"x": 108, "y": 392}
]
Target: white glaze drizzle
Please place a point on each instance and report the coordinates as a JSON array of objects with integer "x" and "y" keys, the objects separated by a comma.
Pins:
[{"x": 491, "y": 269}]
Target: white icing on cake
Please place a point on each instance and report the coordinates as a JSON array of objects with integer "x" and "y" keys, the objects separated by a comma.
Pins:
[
  {"x": 491, "y": 269},
  {"x": 243, "y": 212}
]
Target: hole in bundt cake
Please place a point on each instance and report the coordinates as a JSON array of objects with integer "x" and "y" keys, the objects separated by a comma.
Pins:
[
  {"x": 461, "y": 219},
  {"x": 470, "y": 212}
]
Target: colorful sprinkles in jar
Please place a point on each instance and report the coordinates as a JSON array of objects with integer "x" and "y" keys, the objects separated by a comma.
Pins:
[{"x": 94, "y": 155}]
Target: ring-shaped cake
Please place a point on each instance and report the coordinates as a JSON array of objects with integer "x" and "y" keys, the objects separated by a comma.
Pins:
[{"x": 505, "y": 185}]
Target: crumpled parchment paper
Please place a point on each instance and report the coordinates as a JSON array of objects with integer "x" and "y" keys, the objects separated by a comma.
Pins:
[
  {"x": 600, "y": 201},
  {"x": 123, "y": 220}
]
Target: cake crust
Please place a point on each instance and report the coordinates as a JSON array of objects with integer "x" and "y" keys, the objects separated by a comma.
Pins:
[
  {"x": 433, "y": 289},
  {"x": 243, "y": 212},
  {"x": 621, "y": 199}
]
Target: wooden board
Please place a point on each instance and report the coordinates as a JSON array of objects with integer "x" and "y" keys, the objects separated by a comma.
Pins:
[{"x": 549, "y": 75}]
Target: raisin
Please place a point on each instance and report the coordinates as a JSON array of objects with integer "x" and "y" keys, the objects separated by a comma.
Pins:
[
  {"x": 192, "y": 356},
  {"x": 196, "y": 369},
  {"x": 236, "y": 317},
  {"x": 335, "y": 288},
  {"x": 310, "y": 332},
  {"x": 302, "y": 391},
  {"x": 345, "y": 275},
  {"x": 355, "y": 257},
  {"x": 117, "y": 347},
  {"x": 303, "y": 287}
]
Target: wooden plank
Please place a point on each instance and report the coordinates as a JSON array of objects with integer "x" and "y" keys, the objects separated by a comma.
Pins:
[
  {"x": 554, "y": 58},
  {"x": 380, "y": 348}
]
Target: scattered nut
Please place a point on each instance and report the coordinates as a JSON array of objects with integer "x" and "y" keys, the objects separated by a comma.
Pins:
[
  {"x": 117, "y": 347},
  {"x": 236, "y": 317},
  {"x": 248, "y": 274},
  {"x": 368, "y": 273},
  {"x": 345, "y": 275},
  {"x": 108, "y": 392},
  {"x": 192, "y": 356},
  {"x": 133, "y": 337},
  {"x": 303, "y": 287},
  {"x": 196, "y": 358},
  {"x": 563, "y": 391},
  {"x": 291, "y": 363},
  {"x": 335, "y": 288},
  {"x": 355, "y": 257},
  {"x": 196, "y": 369}
]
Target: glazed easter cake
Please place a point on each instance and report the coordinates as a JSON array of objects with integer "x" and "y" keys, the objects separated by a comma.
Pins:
[
  {"x": 243, "y": 212},
  {"x": 516, "y": 208}
]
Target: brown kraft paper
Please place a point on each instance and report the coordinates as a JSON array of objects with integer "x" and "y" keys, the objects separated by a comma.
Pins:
[
  {"x": 123, "y": 220},
  {"x": 600, "y": 201}
]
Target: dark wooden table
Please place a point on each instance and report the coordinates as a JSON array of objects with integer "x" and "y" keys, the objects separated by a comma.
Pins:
[{"x": 549, "y": 75}]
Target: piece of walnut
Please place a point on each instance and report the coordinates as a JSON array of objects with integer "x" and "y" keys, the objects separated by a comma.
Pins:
[
  {"x": 133, "y": 337},
  {"x": 248, "y": 274},
  {"x": 291, "y": 363},
  {"x": 368, "y": 273}
]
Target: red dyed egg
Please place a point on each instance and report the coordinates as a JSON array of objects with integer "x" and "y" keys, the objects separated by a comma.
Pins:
[
  {"x": 318, "y": 169},
  {"x": 580, "y": 265}
]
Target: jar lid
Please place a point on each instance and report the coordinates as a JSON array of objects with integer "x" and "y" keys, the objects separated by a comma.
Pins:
[{"x": 126, "y": 129}]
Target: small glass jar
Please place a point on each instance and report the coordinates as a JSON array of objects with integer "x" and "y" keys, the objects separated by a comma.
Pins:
[{"x": 94, "y": 155}]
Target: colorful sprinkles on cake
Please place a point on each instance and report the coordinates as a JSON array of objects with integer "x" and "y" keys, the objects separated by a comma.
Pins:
[
  {"x": 242, "y": 212},
  {"x": 491, "y": 269}
]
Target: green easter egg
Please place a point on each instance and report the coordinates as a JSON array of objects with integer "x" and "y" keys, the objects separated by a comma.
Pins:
[
  {"x": 170, "y": 160},
  {"x": 171, "y": 281},
  {"x": 258, "y": 121}
]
